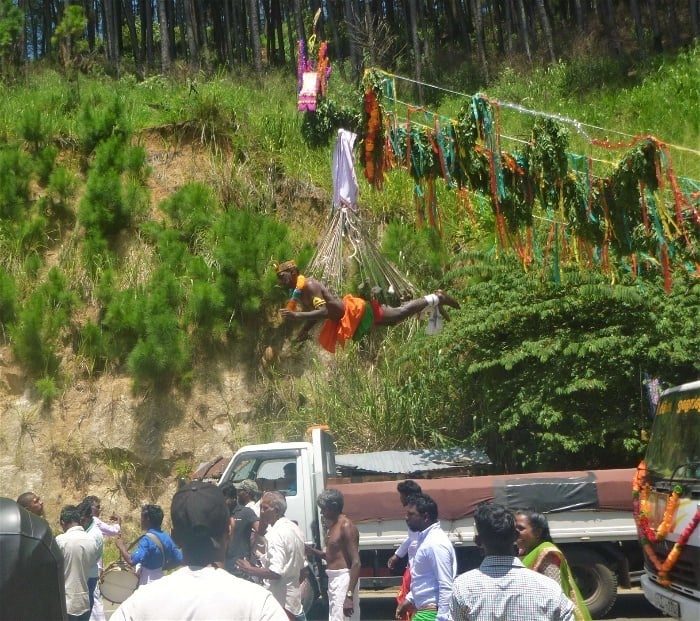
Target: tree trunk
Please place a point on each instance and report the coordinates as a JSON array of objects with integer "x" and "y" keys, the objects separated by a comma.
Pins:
[
  {"x": 111, "y": 24},
  {"x": 638, "y": 28},
  {"x": 254, "y": 30},
  {"x": 91, "y": 16},
  {"x": 240, "y": 18},
  {"x": 279, "y": 30},
  {"x": 299, "y": 22},
  {"x": 165, "y": 63},
  {"x": 672, "y": 26},
  {"x": 423, "y": 27},
  {"x": 418, "y": 74},
  {"x": 335, "y": 35},
  {"x": 131, "y": 25},
  {"x": 453, "y": 23},
  {"x": 655, "y": 27},
  {"x": 580, "y": 16},
  {"x": 147, "y": 47},
  {"x": 524, "y": 33},
  {"x": 477, "y": 17},
  {"x": 351, "y": 20},
  {"x": 191, "y": 27},
  {"x": 546, "y": 29},
  {"x": 694, "y": 18}
]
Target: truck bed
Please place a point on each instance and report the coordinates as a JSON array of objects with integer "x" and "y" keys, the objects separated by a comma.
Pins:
[{"x": 580, "y": 506}]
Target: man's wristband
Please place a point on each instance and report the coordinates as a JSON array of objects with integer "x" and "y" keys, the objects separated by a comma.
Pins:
[{"x": 350, "y": 594}]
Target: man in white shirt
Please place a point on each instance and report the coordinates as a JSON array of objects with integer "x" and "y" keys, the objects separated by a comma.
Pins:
[
  {"x": 202, "y": 590},
  {"x": 111, "y": 529},
  {"x": 284, "y": 559},
  {"x": 434, "y": 564},
  {"x": 91, "y": 528},
  {"x": 407, "y": 489},
  {"x": 502, "y": 587},
  {"x": 79, "y": 555}
]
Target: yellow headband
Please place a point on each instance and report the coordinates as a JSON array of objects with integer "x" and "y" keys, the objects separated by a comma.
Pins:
[{"x": 284, "y": 267}]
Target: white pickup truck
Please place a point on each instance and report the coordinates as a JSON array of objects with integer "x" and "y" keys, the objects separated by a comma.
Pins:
[{"x": 589, "y": 512}]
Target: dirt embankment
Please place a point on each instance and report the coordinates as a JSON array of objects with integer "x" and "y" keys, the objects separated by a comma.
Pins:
[{"x": 99, "y": 437}]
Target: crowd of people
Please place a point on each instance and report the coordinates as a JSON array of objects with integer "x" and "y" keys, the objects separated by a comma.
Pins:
[{"x": 239, "y": 557}]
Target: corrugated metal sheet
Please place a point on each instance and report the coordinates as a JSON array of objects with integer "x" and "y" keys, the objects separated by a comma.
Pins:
[{"x": 411, "y": 462}]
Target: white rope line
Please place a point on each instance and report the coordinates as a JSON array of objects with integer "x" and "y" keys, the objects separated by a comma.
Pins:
[{"x": 578, "y": 125}]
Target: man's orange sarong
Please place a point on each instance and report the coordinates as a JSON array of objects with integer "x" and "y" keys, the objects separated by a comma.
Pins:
[{"x": 337, "y": 332}]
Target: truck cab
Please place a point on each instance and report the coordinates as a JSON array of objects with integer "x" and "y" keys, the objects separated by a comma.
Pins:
[
  {"x": 297, "y": 469},
  {"x": 668, "y": 510}
]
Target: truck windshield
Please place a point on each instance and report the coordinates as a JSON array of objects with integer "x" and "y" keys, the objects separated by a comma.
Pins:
[{"x": 674, "y": 446}]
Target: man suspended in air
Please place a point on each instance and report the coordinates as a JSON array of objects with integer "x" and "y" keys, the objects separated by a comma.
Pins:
[{"x": 351, "y": 317}]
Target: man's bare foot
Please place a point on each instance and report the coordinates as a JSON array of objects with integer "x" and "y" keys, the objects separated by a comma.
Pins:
[{"x": 446, "y": 300}]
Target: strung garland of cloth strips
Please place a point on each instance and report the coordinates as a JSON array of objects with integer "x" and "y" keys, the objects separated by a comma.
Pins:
[
  {"x": 640, "y": 214},
  {"x": 649, "y": 535}
]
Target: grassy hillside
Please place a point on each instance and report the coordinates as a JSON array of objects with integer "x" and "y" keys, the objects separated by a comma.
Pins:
[{"x": 139, "y": 221}]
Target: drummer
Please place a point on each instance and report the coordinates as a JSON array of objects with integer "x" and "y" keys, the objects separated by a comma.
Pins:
[{"x": 155, "y": 550}]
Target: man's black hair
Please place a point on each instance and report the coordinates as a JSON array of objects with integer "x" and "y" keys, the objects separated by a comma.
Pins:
[
  {"x": 154, "y": 514},
  {"x": 85, "y": 510},
  {"x": 495, "y": 525},
  {"x": 229, "y": 490},
  {"x": 70, "y": 514},
  {"x": 409, "y": 488},
  {"x": 425, "y": 504}
]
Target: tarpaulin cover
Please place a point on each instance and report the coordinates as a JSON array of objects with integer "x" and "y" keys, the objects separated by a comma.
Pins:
[
  {"x": 457, "y": 497},
  {"x": 32, "y": 585}
]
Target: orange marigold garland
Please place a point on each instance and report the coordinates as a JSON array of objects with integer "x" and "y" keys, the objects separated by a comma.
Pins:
[
  {"x": 373, "y": 144},
  {"x": 647, "y": 535}
]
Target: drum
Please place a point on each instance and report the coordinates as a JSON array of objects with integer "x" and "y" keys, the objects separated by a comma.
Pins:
[{"x": 118, "y": 582}]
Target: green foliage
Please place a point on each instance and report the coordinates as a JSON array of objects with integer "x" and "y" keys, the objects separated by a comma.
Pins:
[
  {"x": 583, "y": 75},
  {"x": 161, "y": 353},
  {"x": 539, "y": 375},
  {"x": 33, "y": 337},
  {"x": 15, "y": 175},
  {"x": 31, "y": 128},
  {"x": 98, "y": 122},
  {"x": 44, "y": 163},
  {"x": 244, "y": 245},
  {"x": 61, "y": 188},
  {"x": 8, "y": 298},
  {"x": 366, "y": 405},
  {"x": 319, "y": 127},
  {"x": 115, "y": 191},
  {"x": 421, "y": 252},
  {"x": 94, "y": 346},
  {"x": 11, "y": 24},
  {"x": 547, "y": 161},
  {"x": 191, "y": 210},
  {"x": 68, "y": 35},
  {"x": 47, "y": 389}
]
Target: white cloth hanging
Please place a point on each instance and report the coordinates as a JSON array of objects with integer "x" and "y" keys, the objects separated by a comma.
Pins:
[{"x": 345, "y": 188}]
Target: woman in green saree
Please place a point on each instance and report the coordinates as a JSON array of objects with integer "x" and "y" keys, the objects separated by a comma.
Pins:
[{"x": 536, "y": 551}]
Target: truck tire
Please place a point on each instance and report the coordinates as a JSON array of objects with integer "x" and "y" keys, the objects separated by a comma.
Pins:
[
  {"x": 596, "y": 581},
  {"x": 309, "y": 592}
]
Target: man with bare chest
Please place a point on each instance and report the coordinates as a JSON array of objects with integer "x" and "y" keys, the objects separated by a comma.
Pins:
[
  {"x": 350, "y": 318},
  {"x": 342, "y": 558}
]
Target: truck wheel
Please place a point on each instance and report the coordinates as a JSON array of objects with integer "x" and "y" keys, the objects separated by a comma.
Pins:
[
  {"x": 309, "y": 593},
  {"x": 596, "y": 581}
]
